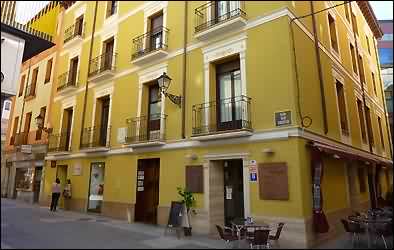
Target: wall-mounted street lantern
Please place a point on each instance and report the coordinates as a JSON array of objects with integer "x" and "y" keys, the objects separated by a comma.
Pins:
[
  {"x": 164, "y": 83},
  {"x": 40, "y": 124}
]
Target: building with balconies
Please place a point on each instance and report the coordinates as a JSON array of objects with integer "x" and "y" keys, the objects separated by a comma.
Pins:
[{"x": 239, "y": 102}]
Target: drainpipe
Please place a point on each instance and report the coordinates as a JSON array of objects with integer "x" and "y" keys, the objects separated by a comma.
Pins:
[
  {"x": 321, "y": 82},
  {"x": 184, "y": 71},
  {"x": 87, "y": 75},
  {"x": 362, "y": 83}
]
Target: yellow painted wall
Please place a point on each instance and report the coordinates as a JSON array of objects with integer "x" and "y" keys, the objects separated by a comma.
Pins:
[{"x": 47, "y": 22}]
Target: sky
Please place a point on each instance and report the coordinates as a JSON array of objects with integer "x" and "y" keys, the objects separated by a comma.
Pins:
[{"x": 27, "y": 9}]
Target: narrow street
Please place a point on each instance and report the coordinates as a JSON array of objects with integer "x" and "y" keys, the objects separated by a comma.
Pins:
[{"x": 27, "y": 226}]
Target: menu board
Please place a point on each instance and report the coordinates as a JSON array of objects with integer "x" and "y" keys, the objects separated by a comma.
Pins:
[{"x": 273, "y": 181}]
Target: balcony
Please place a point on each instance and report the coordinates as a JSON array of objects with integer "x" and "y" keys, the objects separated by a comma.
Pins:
[
  {"x": 30, "y": 91},
  {"x": 102, "y": 67},
  {"x": 21, "y": 138},
  {"x": 150, "y": 46},
  {"x": 217, "y": 17},
  {"x": 58, "y": 143},
  {"x": 230, "y": 117},
  {"x": 74, "y": 34},
  {"x": 67, "y": 82},
  {"x": 95, "y": 139},
  {"x": 146, "y": 131}
]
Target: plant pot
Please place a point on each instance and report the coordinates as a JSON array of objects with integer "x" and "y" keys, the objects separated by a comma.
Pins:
[{"x": 187, "y": 231}]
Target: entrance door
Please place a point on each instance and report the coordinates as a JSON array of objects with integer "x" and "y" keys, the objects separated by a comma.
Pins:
[
  {"x": 148, "y": 174},
  {"x": 233, "y": 191},
  {"x": 96, "y": 187},
  {"x": 61, "y": 173},
  {"x": 228, "y": 94},
  {"x": 156, "y": 28},
  {"x": 154, "y": 110},
  {"x": 37, "y": 184},
  {"x": 104, "y": 121}
]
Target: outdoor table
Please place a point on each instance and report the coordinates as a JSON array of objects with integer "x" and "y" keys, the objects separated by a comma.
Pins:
[
  {"x": 241, "y": 223},
  {"x": 367, "y": 220}
]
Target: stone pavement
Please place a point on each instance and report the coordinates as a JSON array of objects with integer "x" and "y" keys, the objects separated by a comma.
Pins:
[{"x": 31, "y": 226}]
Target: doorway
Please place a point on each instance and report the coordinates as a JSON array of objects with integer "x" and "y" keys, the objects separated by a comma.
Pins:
[
  {"x": 72, "y": 74},
  {"x": 108, "y": 48},
  {"x": 61, "y": 173},
  {"x": 37, "y": 184},
  {"x": 104, "y": 121},
  {"x": 96, "y": 187},
  {"x": 154, "y": 110},
  {"x": 233, "y": 190},
  {"x": 147, "y": 201},
  {"x": 156, "y": 29}
]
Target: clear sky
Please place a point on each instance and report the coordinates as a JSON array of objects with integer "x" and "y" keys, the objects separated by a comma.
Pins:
[
  {"x": 27, "y": 9},
  {"x": 383, "y": 9}
]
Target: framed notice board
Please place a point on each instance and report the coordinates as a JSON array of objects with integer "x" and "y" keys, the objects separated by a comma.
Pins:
[{"x": 273, "y": 181}]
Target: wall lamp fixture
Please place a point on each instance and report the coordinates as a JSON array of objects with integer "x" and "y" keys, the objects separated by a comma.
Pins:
[{"x": 164, "y": 83}]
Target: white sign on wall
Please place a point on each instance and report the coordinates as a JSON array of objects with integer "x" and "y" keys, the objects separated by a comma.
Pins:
[{"x": 77, "y": 170}]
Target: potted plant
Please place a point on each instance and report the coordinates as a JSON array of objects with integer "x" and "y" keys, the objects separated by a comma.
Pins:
[{"x": 189, "y": 201}]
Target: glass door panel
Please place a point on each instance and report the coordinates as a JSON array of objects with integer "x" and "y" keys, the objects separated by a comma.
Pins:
[{"x": 96, "y": 188}]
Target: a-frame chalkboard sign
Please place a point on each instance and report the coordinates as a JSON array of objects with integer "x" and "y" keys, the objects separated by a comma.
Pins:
[{"x": 175, "y": 217}]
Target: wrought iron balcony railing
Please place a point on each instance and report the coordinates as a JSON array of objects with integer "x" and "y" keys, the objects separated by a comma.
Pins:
[
  {"x": 216, "y": 12},
  {"x": 58, "y": 142},
  {"x": 21, "y": 138},
  {"x": 30, "y": 91},
  {"x": 222, "y": 116},
  {"x": 145, "y": 128},
  {"x": 94, "y": 137},
  {"x": 151, "y": 41},
  {"x": 67, "y": 79},
  {"x": 106, "y": 61},
  {"x": 75, "y": 30}
]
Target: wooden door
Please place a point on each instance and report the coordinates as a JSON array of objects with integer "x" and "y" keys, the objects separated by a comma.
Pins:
[
  {"x": 233, "y": 191},
  {"x": 148, "y": 174},
  {"x": 61, "y": 173},
  {"x": 104, "y": 121},
  {"x": 156, "y": 28}
]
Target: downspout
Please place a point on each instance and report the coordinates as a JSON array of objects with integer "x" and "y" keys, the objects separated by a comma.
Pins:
[
  {"x": 321, "y": 82},
  {"x": 184, "y": 71},
  {"x": 362, "y": 83},
  {"x": 87, "y": 75}
]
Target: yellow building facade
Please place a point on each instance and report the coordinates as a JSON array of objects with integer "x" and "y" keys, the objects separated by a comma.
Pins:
[{"x": 257, "y": 101}]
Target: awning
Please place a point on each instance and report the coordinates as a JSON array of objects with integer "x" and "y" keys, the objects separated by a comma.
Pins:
[{"x": 351, "y": 154}]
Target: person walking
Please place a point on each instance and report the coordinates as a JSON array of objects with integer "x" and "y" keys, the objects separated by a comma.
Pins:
[{"x": 56, "y": 189}]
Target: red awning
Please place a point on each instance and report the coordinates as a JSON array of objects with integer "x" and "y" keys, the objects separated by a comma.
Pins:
[{"x": 351, "y": 154}]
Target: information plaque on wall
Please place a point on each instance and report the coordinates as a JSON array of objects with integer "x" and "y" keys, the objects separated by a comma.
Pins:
[
  {"x": 282, "y": 118},
  {"x": 273, "y": 181}
]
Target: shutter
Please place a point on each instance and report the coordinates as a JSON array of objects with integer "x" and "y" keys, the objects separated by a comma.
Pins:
[
  {"x": 273, "y": 181},
  {"x": 195, "y": 179}
]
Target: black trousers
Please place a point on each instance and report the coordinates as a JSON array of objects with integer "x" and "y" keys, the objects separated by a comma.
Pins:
[{"x": 55, "y": 199}]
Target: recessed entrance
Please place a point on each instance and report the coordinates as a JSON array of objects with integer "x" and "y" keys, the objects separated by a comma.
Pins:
[
  {"x": 96, "y": 187},
  {"x": 147, "y": 198},
  {"x": 226, "y": 192}
]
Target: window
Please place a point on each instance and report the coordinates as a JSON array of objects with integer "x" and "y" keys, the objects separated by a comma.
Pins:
[
  {"x": 347, "y": 11},
  {"x": 369, "y": 126},
  {"x": 353, "y": 55},
  {"x": 78, "y": 26},
  {"x": 33, "y": 83},
  {"x": 39, "y": 131},
  {"x": 374, "y": 83},
  {"x": 27, "y": 122},
  {"x": 111, "y": 7},
  {"x": 49, "y": 71},
  {"x": 361, "y": 119},
  {"x": 22, "y": 85},
  {"x": 342, "y": 107},
  {"x": 15, "y": 127},
  {"x": 361, "y": 65},
  {"x": 381, "y": 132},
  {"x": 386, "y": 55},
  {"x": 387, "y": 37},
  {"x": 6, "y": 110},
  {"x": 333, "y": 33},
  {"x": 354, "y": 23},
  {"x": 369, "y": 49},
  {"x": 361, "y": 180}
]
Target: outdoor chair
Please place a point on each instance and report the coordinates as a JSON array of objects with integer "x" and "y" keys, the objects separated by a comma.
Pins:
[
  {"x": 275, "y": 237},
  {"x": 382, "y": 231},
  {"x": 260, "y": 238},
  {"x": 353, "y": 228},
  {"x": 226, "y": 234}
]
